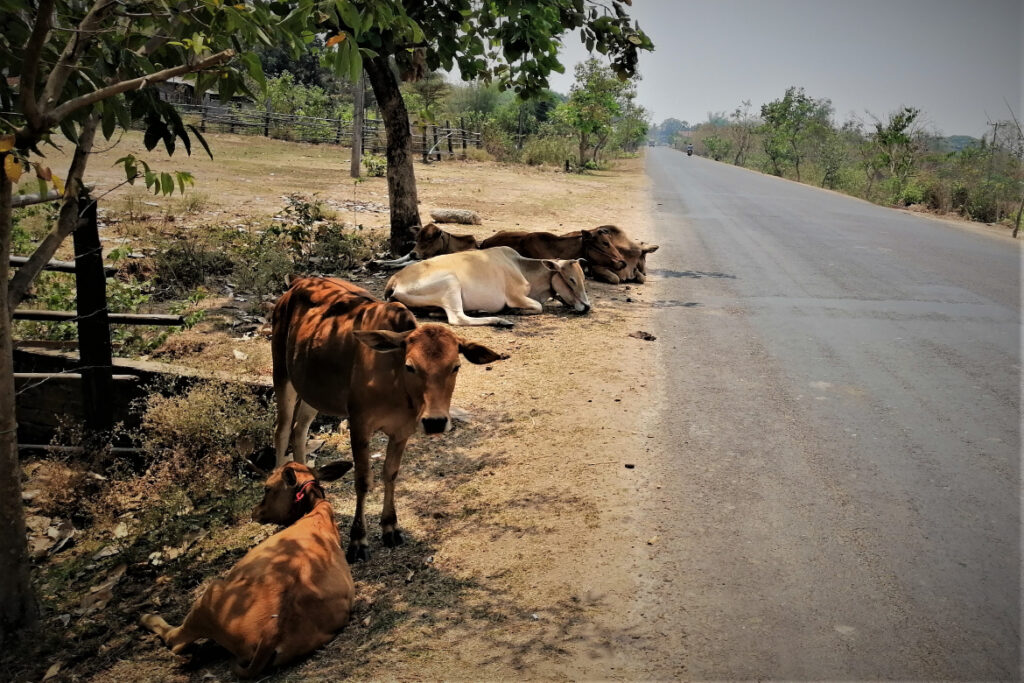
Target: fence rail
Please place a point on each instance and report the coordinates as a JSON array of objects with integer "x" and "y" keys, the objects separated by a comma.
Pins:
[{"x": 430, "y": 141}]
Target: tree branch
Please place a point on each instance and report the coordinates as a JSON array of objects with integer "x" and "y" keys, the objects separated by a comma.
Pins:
[
  {"x": 30, "y": 63},
  {"x": 66, "y": 223},
  {"x": 73, "y": 51},
  {"x": 58, "y": 114}
]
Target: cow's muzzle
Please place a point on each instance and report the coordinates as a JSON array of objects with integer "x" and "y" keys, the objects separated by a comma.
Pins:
[{"x": 435, "y": 425}]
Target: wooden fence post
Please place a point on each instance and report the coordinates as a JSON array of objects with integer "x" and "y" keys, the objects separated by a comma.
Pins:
[
  {"x": 202, "y": 117},
  {"x": 95, "y": 355},
  {"x": 462, "y": 134},
  {"x": 426, "y": 146},
  {"x": 266, "y": 121},
  {"x": 449, "y": 132},
  {"x": 436, "y": 146}
]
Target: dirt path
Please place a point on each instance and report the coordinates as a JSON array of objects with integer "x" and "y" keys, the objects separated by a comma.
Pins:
[{"x": 525, "y": 541}]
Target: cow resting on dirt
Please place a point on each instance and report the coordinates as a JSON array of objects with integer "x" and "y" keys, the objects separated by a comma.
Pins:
[
  {"x": 488, "y": 280},
  {"x": 594, "y": 246},
  {"x": 432, "y": 241},
  {"x": 290, "y": 594},
  {"x": 339, "y": 351},
  {"x": 635, "y": 254}
]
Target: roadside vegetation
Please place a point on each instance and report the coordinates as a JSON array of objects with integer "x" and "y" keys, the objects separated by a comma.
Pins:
[{"x": 892, "y": 159}]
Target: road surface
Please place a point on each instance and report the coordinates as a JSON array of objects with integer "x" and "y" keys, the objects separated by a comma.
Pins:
[{"x": 838, "y": 487}]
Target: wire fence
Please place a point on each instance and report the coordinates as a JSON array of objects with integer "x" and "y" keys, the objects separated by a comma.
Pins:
[{"x": 429, "y": 140}]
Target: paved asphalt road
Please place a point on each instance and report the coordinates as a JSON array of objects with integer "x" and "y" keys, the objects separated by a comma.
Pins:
[{"x": 839, "y": 495}]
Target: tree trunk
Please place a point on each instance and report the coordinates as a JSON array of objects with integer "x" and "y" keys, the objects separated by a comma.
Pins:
[
  {"x": 405, "y": 213},
  {"x": 66, "y": 223},
  {"x": 1016, "y": 225},
  {"x": 17, "y": 604},
  {"x": 584, "y": 143}
]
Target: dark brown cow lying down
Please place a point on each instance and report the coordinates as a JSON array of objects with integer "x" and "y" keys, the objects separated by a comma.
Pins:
[
  {"x": 432, "y": 241},
  {"x": 340, "y": 351},
  {"x": 594, "y": 246},
  {"x": 290, "y": 594},
  {"x": 635, "y": 254}
]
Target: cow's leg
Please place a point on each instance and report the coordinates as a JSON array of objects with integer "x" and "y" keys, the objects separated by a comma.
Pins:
[
  {"x": 177, "y": 638},
  {"x": 390, "y": 535},
  {"x": 524, "y": 304},
  {"x": 639, "y": 277},
  {"x": 398, "y": 262},
  {"x": 303, "y": 417},
  {"x": 605, "y": 275},
  {"x": 287, "y": 398},
  {"x": 451, "y": 302},
  {"x": 358, "y": 548}
]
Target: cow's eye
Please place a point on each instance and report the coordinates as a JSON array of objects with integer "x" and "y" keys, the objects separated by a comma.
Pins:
[
  {"x": 572, "y": 280},
  {"x": 456, "y": 369},
  {"x": 410, "y": 369}
]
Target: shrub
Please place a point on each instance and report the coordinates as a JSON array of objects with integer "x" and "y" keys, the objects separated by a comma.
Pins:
[
  {"x": 376, "y": 166},
  {"x": 474, "y": 154},
  {"x": 185, "y": 264},
  {"x": 268, "y": 262},
  {"x": 552, "y": 150}
]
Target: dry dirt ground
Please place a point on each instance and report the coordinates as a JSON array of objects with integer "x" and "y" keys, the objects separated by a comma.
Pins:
[{"x": 520, "y": 523}]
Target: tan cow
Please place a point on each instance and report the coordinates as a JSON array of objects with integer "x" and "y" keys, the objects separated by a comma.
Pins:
[
  {"x": 432, "y": 241},
  {"x": 488, "y": 280},
  {"x": 594, "y": 246},
  {"x": 635, "y": 254},
  {"x": 340, "y": 351},
  {"x": 290, "y": 594}
]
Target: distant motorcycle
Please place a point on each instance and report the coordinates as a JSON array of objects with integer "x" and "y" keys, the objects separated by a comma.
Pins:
[{"x": 689, "y": 150}]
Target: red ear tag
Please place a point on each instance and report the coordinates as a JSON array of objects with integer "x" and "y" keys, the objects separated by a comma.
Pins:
[{"x": 301, "y": 493}]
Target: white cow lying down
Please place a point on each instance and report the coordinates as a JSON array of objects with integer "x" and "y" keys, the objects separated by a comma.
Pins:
[{"x": 488, "y": 280}]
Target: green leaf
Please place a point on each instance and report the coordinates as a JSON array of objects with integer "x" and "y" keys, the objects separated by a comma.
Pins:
[
  {"x": 109, "y": 117},
  {"x": 355, "y": 62},
  {"x": 202, "y": 140},
  {"x": 166, "y": 183}
]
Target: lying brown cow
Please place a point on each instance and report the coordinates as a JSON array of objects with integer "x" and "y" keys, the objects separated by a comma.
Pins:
[
  {"x": 290, "y": 594},
  {"x": 338, "y": 350},
  {"x": 594, "y": 246},
  {"x": 432, "y": 241},
  {"x": 635, "y": 254}
]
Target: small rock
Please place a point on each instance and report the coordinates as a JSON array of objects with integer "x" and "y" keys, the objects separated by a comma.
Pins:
[
  {"x": 630, "y": 465},
  {"x": 640, "y": 334},
  {"x": 652, "y": 540}
]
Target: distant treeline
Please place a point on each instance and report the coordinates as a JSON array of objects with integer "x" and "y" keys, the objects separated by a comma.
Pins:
[{"x": 890, "y": 160}]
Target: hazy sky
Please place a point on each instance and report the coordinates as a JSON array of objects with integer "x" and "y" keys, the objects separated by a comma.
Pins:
[{"x": 954, "y": 59}]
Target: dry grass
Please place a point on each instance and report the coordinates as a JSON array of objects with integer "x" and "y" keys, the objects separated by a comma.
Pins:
[{"x": 506, "y": 570}]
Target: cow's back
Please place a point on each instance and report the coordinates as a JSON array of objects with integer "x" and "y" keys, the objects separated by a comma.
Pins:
[
  {"x": 542, "y": 245},
  {"x": 312, "y": 342}
]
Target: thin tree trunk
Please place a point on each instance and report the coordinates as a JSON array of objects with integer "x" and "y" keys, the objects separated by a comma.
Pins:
[
  {"x": 66, "y": 223},
  {"x": 584, "y": 143},
  {"x": 1016, "y": 226},
  {"x": 405, "y": 213},
  {"x": 17, "y": 603}
]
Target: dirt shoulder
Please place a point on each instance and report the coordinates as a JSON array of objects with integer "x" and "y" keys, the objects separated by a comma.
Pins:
[{"x": 521, "y": 523}]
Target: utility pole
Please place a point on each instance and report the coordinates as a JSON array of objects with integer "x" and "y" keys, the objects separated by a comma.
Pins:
[{"x": 358, "y": 117}]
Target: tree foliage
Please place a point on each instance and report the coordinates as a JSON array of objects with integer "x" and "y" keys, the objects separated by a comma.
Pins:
[{"x": 790, "y": 123}]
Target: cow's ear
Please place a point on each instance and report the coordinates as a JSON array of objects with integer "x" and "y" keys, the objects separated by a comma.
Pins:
[
  {"x": 383, "y": 341},
  {"x": 549, "y": 264},
  {"x": 650, "y": 248},
  {"x": 478, "y": 354},
  {"x": 288, "y": 476},
  {"x": 415, "y": 229},
  {"x": 333, "y": 471}
]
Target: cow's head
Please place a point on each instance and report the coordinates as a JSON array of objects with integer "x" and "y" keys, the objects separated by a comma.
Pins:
[
  {"x": 432, "y": 362},
  {"x": 567, "y": 283},
  {"x": 645, "y": 249},
  {"x": 291, "y": 490},
  {"x": 599, "y": 250},
  {"x": 430, "y": 241}
]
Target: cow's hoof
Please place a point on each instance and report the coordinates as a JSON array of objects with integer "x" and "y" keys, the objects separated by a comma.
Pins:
[
  {"x": 505, "y": 324},
  {"x": 392, "y": 539},
  {"x": 357, "y": 553}
]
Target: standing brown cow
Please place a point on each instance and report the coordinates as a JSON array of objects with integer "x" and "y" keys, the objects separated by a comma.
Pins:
[{"x": 340, "y": 351}]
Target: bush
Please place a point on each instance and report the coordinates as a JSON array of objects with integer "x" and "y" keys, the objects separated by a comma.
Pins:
[
  {"x": 474, "y": 154},
  {"x": 268, "y": 262},
  {"x": 551, "y": 150},
  {"x": 186, "y": 263},
  {"x": 376, "y": 166}
]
